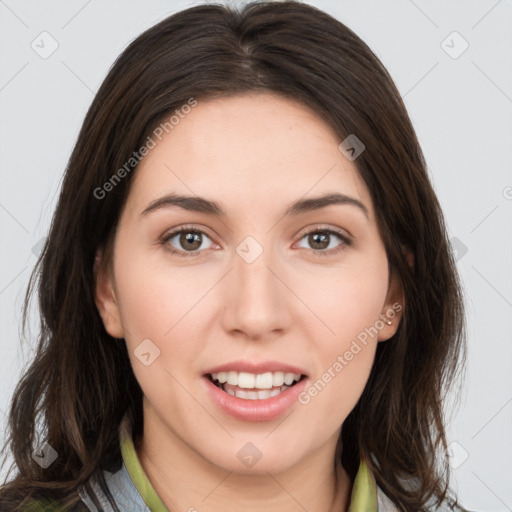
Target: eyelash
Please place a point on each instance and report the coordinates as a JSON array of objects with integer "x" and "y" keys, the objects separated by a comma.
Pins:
[{"x": 346, "y": 242}]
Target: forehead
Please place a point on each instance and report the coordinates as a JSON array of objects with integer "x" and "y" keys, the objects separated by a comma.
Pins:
[{"x": 247, "y": 151}]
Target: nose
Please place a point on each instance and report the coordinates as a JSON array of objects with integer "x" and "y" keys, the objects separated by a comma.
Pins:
[{"x": 256, "y": 298}]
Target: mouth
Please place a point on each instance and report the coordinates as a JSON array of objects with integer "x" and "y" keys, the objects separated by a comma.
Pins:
[
  {"x": 251, "y": 391},
  {"x": 251, "y": 386}
]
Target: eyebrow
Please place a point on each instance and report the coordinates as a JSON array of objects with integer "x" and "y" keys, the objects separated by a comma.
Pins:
[{"x": 202, "y": 205}]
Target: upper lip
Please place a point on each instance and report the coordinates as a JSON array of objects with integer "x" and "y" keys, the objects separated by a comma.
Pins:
[{"x": 257, "y": 368}]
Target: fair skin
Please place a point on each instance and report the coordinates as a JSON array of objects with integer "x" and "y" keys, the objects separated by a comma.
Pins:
[{"x": 254, "y": 154}]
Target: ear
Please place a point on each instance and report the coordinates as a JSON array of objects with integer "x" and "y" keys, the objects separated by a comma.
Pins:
[
  {"x": 392, "y": 310},
  {"x": 395, "y": 303},
  {"x": 105, "y": 297}
]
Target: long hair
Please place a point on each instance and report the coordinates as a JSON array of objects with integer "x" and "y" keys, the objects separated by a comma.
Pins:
[{"x": 80, "y": 382}]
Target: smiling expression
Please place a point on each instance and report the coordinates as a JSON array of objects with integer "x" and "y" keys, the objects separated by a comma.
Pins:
[{"x": 226, "y": 260}]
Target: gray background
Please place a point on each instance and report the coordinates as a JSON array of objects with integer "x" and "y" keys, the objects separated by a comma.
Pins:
[{"x": 461, "y": 107}]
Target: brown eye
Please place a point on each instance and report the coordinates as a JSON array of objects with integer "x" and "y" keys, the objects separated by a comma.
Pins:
[
  {"x": 319, "y": 240},
  {"x": 185, "y": 241},
  {"x": 323, "y": 241},
  {"x": 190, "y": 240}
]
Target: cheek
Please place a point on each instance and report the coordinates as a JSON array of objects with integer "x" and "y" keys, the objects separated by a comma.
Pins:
[
  {"x": 345, "y": 342},
  {"x": 343, "y": 365},
  {"x": 157, "y": 298},
  {"x": 343, "y": 382},
  {"x": 157, "y": 306},
  {"x": 346, "y": 300},
  {"x": 161, "y": 305}
]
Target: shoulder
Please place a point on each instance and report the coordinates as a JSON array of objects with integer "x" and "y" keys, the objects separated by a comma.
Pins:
[
  {"x": 47, "y": 505},
  {"x": 107, "y": 491},
  {"x": 43, "y": 506},
  {"x": 386, "y": 505}
]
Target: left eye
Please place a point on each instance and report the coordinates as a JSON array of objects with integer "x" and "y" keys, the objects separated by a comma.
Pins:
[{"x": 321, "y": 239}]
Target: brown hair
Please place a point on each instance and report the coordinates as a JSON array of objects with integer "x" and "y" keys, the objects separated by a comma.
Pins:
[{"x": 80, "y": 383}]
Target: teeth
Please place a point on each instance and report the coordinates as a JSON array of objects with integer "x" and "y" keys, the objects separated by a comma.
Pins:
[
  {"x": 248, "y": 395},
  {"x": 289, "y": 378},
  {"x": 278, "y": 379},
  {"x": 264, "y": 380},
  {"x": 245, "y": 380},
  {"x": 232, "y": 378},
  {"x": 254, "y": 395},
  {"x": 260, "y": 381},
  {"x": 264, "y": 394}
]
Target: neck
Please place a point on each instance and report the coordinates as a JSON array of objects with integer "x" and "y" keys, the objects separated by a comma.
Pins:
[{"x": 187, "y": 481}]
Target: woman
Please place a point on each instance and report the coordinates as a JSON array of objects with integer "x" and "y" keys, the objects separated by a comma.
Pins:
[{"x": 296, "y": 354}]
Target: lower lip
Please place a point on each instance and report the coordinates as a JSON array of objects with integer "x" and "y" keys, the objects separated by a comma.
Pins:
[{"x": 255, "y": 410}]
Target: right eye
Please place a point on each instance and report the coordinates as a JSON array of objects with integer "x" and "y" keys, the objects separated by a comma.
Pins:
[{"x": 190, "y": 239}]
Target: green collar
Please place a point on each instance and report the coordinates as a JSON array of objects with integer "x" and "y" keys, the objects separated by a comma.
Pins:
[{"x": 363, "y": 498}]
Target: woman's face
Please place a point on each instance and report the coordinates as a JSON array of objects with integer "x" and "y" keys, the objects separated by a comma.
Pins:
[{"x": 268, "y": 288}]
